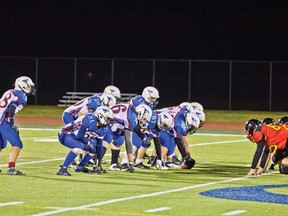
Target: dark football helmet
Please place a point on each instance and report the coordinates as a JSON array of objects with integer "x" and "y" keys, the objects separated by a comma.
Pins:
[
  {"x": 250, "y": 125},
  {"x": 283, "y": 120},
  {"x": 266, "y": 121}
]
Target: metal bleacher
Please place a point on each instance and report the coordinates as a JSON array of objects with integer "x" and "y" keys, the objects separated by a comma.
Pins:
[{"x": 73, "y": 97}]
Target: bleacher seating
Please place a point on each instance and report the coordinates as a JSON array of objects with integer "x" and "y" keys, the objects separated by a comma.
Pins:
[{"x": 73, "y": 97}]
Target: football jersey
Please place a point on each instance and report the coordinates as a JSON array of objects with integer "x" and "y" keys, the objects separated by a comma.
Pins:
[
  {"x": 89, "y": 103},
  {"x": 274, "y": 135},
  {"x": 137, "y": 100},
  {"x": 16, "y": 97},
  {"x": 124, "y": 117},
  {"x": 89, "y": 122}
]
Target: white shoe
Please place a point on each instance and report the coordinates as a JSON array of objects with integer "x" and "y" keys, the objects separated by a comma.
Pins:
[
  {"x": 115, "y": 167},
  {"x": 163, "y": 168}
]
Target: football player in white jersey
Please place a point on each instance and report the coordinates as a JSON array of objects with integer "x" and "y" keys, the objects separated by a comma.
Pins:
[
  {"x": 126, "y": 120},
  {"x": 90, "y": 104},
  {"x": 12, "y": 101}
]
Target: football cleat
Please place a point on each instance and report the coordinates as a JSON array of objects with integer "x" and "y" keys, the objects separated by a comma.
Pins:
[
  {"x": 81, "y": 168},
  {"x": 63, "y": 171},
  {"x": 141, "y": 166},
  {"x": 13, "y": 171},
  {"x": 170, "y": 164},
  {"x": 124, "y": 167},
  {"x": 115, "y": 167}
]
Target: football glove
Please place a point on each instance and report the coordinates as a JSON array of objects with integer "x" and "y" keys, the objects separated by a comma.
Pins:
[
  {"x": 188, "y": 163},
  {"x": 159, "y": 165},
  {"x": 131, "y": 168},
  {"x": 97, "y": 169}
]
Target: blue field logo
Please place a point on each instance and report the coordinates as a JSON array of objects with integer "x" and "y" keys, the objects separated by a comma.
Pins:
[{"x": 250, "y": 193}]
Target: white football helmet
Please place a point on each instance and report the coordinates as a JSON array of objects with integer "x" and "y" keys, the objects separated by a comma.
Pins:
[
  {"x": 104, "y": 114},
  {"x": 165, "y": 120},
  {"x": 201, "y": 116},
  {"x": 150, "y": 95},
  {"x": 144, "y": 113},
  {"x": 108, "y": 100},
  {"x": 196, "y": 105},
  {"x": 185, "y": 104},
  {"x": 26, "y": 85},
  {"x": 192, "y": 121},
  {"x": 113, "y": 90}
]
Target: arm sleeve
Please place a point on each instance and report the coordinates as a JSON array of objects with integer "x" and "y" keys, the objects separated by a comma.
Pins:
[
  {"x": 157, "y": 147},
  {"x": 80, "y": 134},
  {"x": 128, "y": 141},
  {"x": 257, "y": 154},
  {"x": 181, "y": 147},
  {"x": 137, "y": 130},
  {"x": 264, "y": 158}
]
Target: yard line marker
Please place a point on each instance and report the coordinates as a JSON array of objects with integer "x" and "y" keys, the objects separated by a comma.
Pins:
[
  {"x": 142, "y": 196},
  {"x": 217, "y": 143},
  {"x": 10, "y": 203},
  {"x": 215, "y": 134},
  {"x": 236, "y": 212},
  {"x": 157, "y": 209}
]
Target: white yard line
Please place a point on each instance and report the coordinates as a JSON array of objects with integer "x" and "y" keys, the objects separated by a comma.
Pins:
[
  {"x": 236, "y": 212},
  {"x": 140, "y": 196},
  {"x": 157, "y": 209},
  {"x": 10, "y": 203}
]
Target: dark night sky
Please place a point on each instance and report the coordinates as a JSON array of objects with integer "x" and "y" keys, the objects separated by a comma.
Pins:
[{"x": 215, "y": 29}]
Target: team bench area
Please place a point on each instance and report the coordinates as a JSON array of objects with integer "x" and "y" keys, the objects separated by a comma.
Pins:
[{"x": 73, "y": 97}]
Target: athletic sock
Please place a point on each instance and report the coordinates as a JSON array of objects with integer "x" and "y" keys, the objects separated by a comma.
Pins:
[
  {"x": 69, "y": 159},
  {"x": 115, "y": 156}
]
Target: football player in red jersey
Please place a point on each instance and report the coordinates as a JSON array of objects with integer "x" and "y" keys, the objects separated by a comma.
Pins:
[{"x": 271, "y": 138}]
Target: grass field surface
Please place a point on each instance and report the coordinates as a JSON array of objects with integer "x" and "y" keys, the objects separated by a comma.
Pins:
[{"x": 222, "y": 160}]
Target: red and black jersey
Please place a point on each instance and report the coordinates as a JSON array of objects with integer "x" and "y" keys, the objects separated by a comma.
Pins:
[{"x": 274, "y": 135}]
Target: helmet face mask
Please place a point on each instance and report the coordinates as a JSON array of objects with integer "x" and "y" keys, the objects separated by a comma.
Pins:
[
  {"x": 144, "y": 114},
  {"x": 104, "y": 115},
  {"x": 165, "y": 120},
  {"x": 26, "y": 85},
  {"x": 150, "y": 95},
  {"x": 108, "y": 99},
  {"x": 250, "y": 126},
  {"x": 192, "y": 121}
]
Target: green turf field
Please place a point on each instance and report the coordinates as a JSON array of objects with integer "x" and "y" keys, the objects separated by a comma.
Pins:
[{"x": 223, "y": 159}]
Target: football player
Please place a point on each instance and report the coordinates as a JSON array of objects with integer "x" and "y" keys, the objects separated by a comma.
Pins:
[
  {"x": 269, "y": 139},
  {"x": 90, "y": 104},
  {"x": 126, "y": 120},
  {"x": 12, "y": 101},
  {"x": 85, "y": 133}
]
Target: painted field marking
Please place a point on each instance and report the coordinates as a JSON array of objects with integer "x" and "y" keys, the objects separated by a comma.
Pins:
[
  {"x": 157, "y": 209},
  {"x": 236, "y": 212},
  {"x": 10, "y": 203},
  {"x": 141, "y": 196}
]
